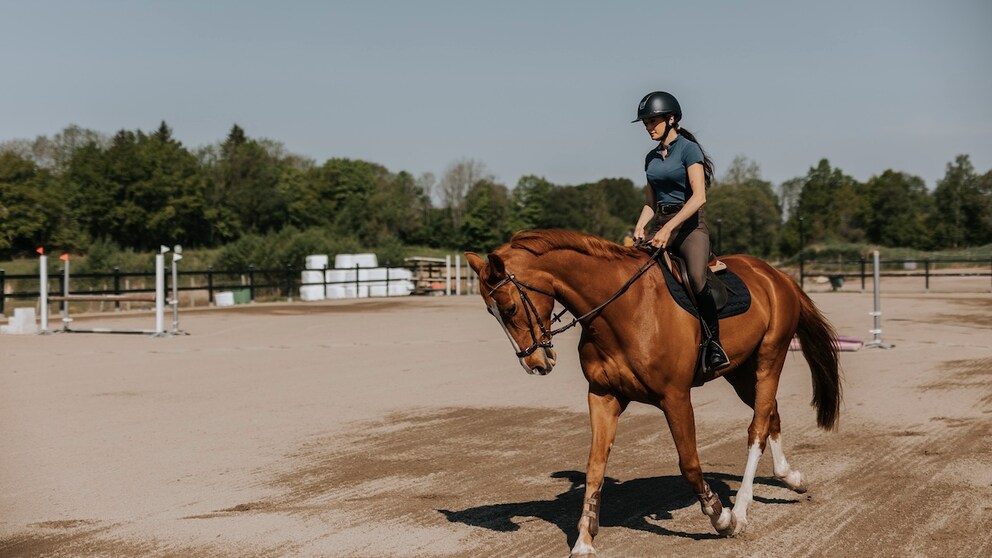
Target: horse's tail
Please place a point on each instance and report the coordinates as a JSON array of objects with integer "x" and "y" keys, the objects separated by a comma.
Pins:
[{"x": 816, "y": 336}]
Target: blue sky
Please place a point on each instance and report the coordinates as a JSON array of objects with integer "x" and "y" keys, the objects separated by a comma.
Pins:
[{"x": 545, "y": 88}]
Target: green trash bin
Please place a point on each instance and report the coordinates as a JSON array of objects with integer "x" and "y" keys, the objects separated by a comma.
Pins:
[{"x": 242, "y": 296}]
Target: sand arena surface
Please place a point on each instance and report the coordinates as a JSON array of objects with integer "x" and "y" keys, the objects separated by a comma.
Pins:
[{"x": 406, "y": 428}]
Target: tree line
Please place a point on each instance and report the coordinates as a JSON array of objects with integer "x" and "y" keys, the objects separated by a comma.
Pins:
[{"x": 137, "y": 190}]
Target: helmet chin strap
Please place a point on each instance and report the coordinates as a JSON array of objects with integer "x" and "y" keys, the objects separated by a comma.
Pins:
[{"x": 668, "y": 128}]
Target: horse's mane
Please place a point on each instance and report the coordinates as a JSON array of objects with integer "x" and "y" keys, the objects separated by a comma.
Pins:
[{"x": 540, "y": 242}]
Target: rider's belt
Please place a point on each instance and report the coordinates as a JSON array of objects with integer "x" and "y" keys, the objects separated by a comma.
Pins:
[{"x": 669, "y": 208}]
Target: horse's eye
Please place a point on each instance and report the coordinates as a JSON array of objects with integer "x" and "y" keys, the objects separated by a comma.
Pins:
[{"x": 512, "y": 309}]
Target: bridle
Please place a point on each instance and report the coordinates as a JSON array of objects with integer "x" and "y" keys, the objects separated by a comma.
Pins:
[{"x": 544, "y": 341}]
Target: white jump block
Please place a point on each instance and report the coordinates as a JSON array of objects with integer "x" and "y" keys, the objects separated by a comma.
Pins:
[
  {"x": 21, "y": 323},
  {"x": 224, "y": 298}
]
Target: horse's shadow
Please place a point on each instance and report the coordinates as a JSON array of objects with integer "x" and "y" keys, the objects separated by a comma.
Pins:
[{"x": 627, "y": 504}]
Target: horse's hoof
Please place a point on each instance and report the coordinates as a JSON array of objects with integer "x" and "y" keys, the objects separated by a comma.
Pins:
[
  {"x": 740, "y": 524},
  {"x": 795, "y": 481},
  {"x": 582, "y": 550},
  {"x": 726, "y": 524}
]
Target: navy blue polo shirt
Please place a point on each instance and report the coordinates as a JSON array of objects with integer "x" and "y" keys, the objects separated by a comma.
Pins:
[{"x": 669, "y": 177}]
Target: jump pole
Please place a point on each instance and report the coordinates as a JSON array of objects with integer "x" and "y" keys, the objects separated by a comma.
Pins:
[{"x": 877, "y": 313}]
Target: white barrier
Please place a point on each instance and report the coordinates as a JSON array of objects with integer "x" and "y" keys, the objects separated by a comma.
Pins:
[{"x": 66, "y": 298}]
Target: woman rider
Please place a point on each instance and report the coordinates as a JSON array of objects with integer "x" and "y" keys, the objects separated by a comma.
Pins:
[{"x": 678, "y": 172}]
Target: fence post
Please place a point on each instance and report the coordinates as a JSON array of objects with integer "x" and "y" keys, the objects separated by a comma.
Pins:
[
  {"x": 926, "y": 273},
  {"x": 289, "y": 282},
  {"x": 387, "y": 282},
  {"x": 458, "y": 274},
  {"x": 357, "y": 282},
  {"x": 3, "y": 287},
  {"x": 251, "y": 283},
  {"x": 117, "y": 288},
  {"x": 863, "y": 262},
  {"x": 210, "y": 285},
  {"x": 447, "y": 275}
]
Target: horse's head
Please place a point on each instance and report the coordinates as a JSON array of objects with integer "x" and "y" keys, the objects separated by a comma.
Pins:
[{"x": 522, "y": 306}]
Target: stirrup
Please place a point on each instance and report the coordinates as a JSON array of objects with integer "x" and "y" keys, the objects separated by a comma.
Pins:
[{"x": 715, "y": 352}]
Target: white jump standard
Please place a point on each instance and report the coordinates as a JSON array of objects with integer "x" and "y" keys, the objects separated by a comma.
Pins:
[{"x": 66, "y": 297}]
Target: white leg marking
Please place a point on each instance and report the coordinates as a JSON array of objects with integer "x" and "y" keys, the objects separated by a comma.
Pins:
[
  {"x": 583, "y": 549},
  {"x": 783, "y": 471},
  {"x": 745, "y": 492}
]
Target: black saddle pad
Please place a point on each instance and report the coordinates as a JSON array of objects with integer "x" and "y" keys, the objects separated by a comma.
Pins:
[{"x": 738, "y": 295}]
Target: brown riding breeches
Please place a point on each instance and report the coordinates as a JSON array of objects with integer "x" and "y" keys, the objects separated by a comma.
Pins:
[{"x": 691, "y": 241}]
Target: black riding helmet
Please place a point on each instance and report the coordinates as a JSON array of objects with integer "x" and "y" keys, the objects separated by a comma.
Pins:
[{"x": 658, "y": 103}]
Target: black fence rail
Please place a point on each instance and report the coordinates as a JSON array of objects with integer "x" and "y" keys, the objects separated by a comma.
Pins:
[
  {"x": 248, "y": 285},
  {"x": 838, "y": 271}
]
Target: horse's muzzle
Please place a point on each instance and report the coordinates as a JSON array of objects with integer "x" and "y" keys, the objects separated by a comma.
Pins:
[{"x": 548, "y": 358}]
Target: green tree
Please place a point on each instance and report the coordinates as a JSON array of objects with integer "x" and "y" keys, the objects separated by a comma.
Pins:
[
  {"x": 529, "y": 203},
  {"x": 742, "y": 211},
  {"x": 963, "y": 203},
  {"x": 899, "y": 210},
  {"x": 486, "y": 219},
  {"x": 29, "y": 207},
  {"x": 142, "y": 191},
  {"x": 243, "y": 187},
  {"x": 833, "y": 208},
  {"x": 624, "y": 200}
]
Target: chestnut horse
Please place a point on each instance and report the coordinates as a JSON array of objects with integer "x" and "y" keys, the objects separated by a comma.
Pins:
[{"x": 643, "y": 347}]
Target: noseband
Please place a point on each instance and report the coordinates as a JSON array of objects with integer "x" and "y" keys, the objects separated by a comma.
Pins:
[
  {"x": 545, "y": 340},
  {"x": 537, "y": 343}
]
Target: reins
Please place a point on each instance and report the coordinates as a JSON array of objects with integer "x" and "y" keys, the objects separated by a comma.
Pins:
[{"x": 531, "y": 309}]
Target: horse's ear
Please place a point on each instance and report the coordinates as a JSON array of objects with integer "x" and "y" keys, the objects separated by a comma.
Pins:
[
  {"x": 475, "y": 261},
  {"x": 497, "y": 271}
]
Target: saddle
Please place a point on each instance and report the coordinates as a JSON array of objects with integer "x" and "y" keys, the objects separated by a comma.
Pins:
[
  {"x": 731, "y": 295},
  {"x": 721, "y": 292}
]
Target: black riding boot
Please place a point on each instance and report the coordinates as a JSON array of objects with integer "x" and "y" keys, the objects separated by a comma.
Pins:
[{"x": 714, "y": 357}]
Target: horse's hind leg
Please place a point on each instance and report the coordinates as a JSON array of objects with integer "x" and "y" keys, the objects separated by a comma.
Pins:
[
  {"x": 789, "y": 476},
  {"x": 757, "y": 386},
  {"x": 744, "y": 381}
]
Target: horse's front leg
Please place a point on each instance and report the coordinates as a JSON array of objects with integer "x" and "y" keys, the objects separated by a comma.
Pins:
[
  {"x": 682, "y": 423},
  {"x": 604, "y": 412}
]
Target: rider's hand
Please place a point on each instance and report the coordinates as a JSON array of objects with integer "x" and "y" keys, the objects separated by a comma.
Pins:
[
  {"x": 662, "y": 237},
  {"x": 639, "y": 233}
]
